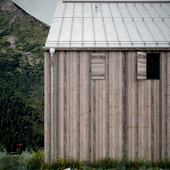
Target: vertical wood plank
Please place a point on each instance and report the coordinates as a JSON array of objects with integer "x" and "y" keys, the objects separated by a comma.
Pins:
[
  {"x": 94, "y": 120},
  {"x": 104, "y": 130},
  {"x": 115, "y": 104},
  {"x": 68, "y": 103},
  {"x": 144, "y": 119},
  {"x": 84, "y": 105},
  {"x": 47, "y": 104},
  {"x": 128, "y": 107},
  {"x": 163, "y": 104},
  {"x": 92, "y": 124},
  {"x": 128, "y": 92},
  {"x": 78, "y": 105},
  {"x": 87, "y": 109},
  {"x": 100, "y": 117},
  {"x": 73, "y": 104},
  {"x": 120, "y": 109},
  {"x": 124, "y": 103},
  {"x": 140, "y": 117},
  {"x": 61, "y": 104},
  {"x": 134, "y": 104},
  {"x": 107, "y": 103},
  {"x": 168, "y": 104},
  {"x": 152, "y": 119},
  {"x": 156, "y": 119},
  {"x": 81, "y": 105},
  {"x": 131, "y": 106},
  {"x": 75, "y": 146},
  {"x": 89, "y": 106},
  {"x": 97, "y": 121},
  {"x": 65, "y": 104},
  {"x": 148, "y": 120},
  {"x": 111, "y": 107}
]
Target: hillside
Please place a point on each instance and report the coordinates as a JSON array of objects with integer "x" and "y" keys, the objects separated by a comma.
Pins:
[{"x": 21, "y": 77}]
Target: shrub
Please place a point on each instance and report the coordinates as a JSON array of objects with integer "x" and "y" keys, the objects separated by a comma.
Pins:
[
  {"x": 37, "y": 160},
  {"x": 6, "y": 44}
]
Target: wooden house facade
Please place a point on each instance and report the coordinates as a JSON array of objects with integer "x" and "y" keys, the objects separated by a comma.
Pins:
[{"x": 107, "y": 80}]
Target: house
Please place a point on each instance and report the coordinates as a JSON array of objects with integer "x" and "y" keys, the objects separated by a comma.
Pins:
[{"x": 107, "y": 80}]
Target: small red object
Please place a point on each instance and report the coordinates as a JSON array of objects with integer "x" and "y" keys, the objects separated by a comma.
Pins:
[{"x": 19, "y": 144}]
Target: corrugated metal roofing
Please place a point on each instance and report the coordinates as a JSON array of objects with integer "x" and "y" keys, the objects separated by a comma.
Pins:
[
  {"x": 110, "y": 25},
  {"x": 123, "y": 1}
]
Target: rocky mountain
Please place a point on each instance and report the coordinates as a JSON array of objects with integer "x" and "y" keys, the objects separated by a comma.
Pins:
[
  {"x": 21, "y": 77},
  {"x": 7, "y": 5}
]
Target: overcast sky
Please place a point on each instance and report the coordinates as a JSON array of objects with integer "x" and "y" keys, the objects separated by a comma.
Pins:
[{"x": 40, "y": 9}]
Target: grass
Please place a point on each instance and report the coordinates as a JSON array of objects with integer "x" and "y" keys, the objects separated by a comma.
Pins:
[{"x": 33, "y": 160}]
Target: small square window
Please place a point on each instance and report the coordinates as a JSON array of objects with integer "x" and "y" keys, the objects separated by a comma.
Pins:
[
  {"x": 153, "y": 66},
  {"x": 141, "y": 65},
  {"x": 98, "y": 66},
  {"x": 148, "y": 65}
]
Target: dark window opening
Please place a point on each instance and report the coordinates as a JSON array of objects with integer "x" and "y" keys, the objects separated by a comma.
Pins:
[{"x": 153, "y": 66}]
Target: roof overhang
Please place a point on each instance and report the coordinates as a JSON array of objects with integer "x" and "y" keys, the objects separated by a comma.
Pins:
[
  {"x": 110, "y": 25},
  {"x": 104, "y": 49},
  {"x": 121, "y": 1}
]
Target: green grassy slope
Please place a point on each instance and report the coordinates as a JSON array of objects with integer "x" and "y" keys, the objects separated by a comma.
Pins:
[{"x": 21, "y": 78}]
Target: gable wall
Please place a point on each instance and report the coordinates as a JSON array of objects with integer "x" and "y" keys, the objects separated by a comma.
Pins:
[{"x": 111, "y": 117}]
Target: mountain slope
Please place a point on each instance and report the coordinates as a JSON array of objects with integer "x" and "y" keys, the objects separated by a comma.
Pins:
[{"x": 21, "y": 77}]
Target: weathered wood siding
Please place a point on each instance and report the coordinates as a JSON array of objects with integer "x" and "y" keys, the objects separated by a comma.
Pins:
[
  {"x": 47, "y": 107},
  {"x": 168, "y": 105},
  {"x": 115, "y": 101},
  {"x": 112, "y": 115},
  {"x": 131, "y": 104}
]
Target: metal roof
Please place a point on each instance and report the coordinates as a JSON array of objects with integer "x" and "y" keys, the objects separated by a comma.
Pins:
[
  {"x": 111, "y": 24},
  {"x": 118, "y": 1}
]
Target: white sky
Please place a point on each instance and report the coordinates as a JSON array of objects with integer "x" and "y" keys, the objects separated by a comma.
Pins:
[{"x": 40, "y": 9}]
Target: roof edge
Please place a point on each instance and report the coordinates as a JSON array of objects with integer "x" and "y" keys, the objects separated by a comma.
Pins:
[
  {"x": 74, "y": 1},
  {"x": 106, "y": 49}
]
